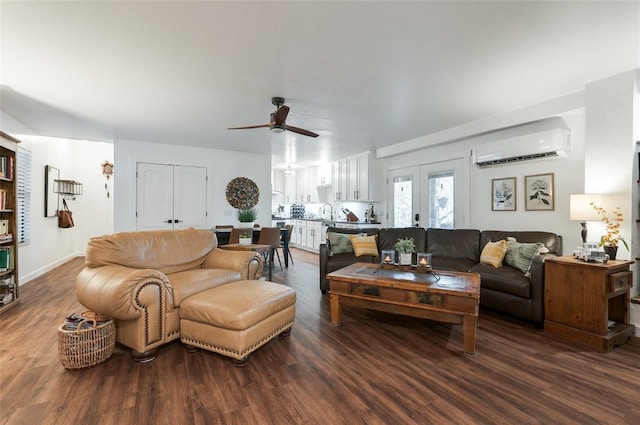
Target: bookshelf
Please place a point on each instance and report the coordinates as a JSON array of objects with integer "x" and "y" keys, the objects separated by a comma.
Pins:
[{"x": 9, "y": 288}]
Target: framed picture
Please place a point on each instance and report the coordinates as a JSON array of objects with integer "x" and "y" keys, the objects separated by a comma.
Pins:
[
  {"x": 539, "y": 192},
  {"x": 503, "y": 194}
]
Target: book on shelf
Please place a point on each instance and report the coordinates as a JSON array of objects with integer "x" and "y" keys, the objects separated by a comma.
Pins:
[
  {"x": 5, "y": 260},
  {"x": 6, "y": 167},
  {"x": 4, "y": 228},
  {"x": 3, "y": 199}
]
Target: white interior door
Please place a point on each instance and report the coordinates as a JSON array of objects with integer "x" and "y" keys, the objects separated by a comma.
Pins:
[
  {"x": 443, "y": 191},
  {"x": 189, "y": 197},
  {"x": 402, "y": 186},
  {"x": 154, "y": 196},
  {"x": 170, "y": 196}
]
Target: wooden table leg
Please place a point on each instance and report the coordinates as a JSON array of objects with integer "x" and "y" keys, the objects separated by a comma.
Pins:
[
  {"x": 469, "y": 325},
  {"x": 335, "y": 309}
]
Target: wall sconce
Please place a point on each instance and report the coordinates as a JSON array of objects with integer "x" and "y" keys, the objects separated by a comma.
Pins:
[{"x": 580, "y": 209}]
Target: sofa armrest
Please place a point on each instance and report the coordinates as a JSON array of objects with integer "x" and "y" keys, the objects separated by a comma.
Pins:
[
  {"x": 537, "y": 285},
  {"x": 123, "y": 293},
  {"x": 324, "y": 259},
  {"x": 248, "y": 263}
]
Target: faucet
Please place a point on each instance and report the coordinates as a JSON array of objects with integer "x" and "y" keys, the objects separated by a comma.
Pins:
[{"x": 330, "y": 209}]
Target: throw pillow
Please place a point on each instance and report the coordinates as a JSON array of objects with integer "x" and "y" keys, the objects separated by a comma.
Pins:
[
  {"x": 364, "y": 245},
  {"x": 339, "y": 243},
  {"x": 520, "y": 255},
  {"x": 493, "y": 253}
]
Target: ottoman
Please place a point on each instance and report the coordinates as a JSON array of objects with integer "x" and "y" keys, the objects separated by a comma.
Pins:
[{"x": 237, "y": 318}]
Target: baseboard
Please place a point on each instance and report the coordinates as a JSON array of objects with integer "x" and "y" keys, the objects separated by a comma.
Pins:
[{"x": 29, "y": 277}]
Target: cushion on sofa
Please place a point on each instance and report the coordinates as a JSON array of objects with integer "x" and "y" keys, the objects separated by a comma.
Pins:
[
  {"x": 506, "y": 279},
  {"x": 364, "y": 245},
  {"x": 339, "y": 243},
  {"x": 459, "y": 243},
  {"x": 520, "y": 255},
  {"x": 493, "y": 253},
  {"x": 389, "y": 236},
  {"x": 190, "y": 282},
  {"x": 452, "y": 264},
  {"x": 168, "y": 251},
  {"x": 550, "y": 240}
]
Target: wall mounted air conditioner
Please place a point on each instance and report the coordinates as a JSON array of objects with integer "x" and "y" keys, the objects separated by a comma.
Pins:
[{"x": 542, "y": 139}]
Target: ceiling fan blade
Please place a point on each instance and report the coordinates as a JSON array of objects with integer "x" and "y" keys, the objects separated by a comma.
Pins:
[
  {"x": 281, "y": 115},
  {"x": 250, "y": 126},
  {"x": 301, "y": 131}
]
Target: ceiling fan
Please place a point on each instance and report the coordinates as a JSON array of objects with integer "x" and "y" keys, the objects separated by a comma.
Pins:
[{"x": 278, "y": 118}]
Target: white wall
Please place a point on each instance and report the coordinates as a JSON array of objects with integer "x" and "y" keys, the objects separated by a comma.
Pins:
[
  {"x": 222, "y": 166},
  {"x": 77, "y": 160},
  {"x": 568, "y": 174}
]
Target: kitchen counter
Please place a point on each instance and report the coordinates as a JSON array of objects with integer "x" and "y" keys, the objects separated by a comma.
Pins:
[{"x": 329, "y": 222}]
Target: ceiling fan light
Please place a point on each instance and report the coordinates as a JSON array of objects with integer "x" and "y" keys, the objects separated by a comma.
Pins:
[{"x": 277, "y": 128}]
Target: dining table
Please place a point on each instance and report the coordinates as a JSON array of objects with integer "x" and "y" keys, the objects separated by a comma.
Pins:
[
  {"x": 255, "y": 247},
  {"x": 223, "y": 239}
]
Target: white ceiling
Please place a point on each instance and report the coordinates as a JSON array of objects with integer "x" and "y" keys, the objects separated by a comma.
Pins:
[{"x": 361, "y": 74}]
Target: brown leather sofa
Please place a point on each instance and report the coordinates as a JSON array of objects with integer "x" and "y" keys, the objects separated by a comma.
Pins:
[
  {"x": 506, "y": 289},
  {"x": 140, "y": 278}
]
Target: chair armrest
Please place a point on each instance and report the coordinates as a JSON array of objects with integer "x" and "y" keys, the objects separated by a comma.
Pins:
[
  {"x": 248, "y": 263},
  {"x": 122, "y": 292}
]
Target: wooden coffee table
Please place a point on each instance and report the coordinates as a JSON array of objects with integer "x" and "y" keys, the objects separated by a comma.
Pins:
[{"x": 454, "y": 298}]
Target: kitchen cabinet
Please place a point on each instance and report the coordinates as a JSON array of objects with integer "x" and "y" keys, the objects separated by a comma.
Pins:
[
  {"x": 323, "y": 177},
  {"x": 339, "y": 179},
  {"x": 354, "y": 178},
  {"x": 290, "y": 184},
  {"x": 306, "y": 188},
  {"x": 277, "y": 181},
  {"x": 314, "y": 236}
]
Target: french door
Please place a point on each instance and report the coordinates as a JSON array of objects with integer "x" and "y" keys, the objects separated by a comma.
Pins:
[
  {"x": 443, "y": 194},
  {"x": 431, "y": 195},
  {"x": 403, "y": 193},
  {"x": 170, "y": 196}
]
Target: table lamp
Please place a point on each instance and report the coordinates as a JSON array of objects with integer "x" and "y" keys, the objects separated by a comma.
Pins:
[{"x": 580, "y": 209}]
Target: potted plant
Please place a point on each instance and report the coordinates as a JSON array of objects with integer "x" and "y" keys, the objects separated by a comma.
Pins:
[
  {"x": 405, "y": 248},
  {"x": 609, "y": 241},
  {"x": 246, "y": 216},
  {"x": 245, "y": 238}
]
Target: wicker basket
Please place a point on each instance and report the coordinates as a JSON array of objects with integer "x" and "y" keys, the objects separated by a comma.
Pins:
[{"x": 85, "y": 348}]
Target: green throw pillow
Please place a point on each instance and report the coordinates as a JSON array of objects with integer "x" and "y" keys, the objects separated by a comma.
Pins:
[
  {"x": 520, "y": 255},
  {"x": 340, "y": 243}
]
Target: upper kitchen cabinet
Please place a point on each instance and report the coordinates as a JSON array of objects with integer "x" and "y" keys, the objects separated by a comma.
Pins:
[
  {"x": 277, "y": 181},
  {"x": 307, "y": 190},
  {"x": 324, "y": 175},
  {"x": 290, "y": 185},
  {"x": 339, "y": 179},
  {"x": 355, "y": 177}
]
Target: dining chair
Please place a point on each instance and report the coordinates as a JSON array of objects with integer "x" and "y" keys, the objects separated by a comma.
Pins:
[
  {"x": 271, "y": 236},
  {"x": 224, "y": 226},
  {"x": 289, "y": 228},
  {"x": 234, "y": 237}
]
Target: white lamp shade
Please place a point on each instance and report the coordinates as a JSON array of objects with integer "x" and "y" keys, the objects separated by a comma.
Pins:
[{"x": 580, "y": 208}]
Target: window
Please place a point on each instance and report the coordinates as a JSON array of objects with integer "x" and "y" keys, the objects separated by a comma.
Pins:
[
  {"x": 441, "y": 200},
  {"x": 402, "y": 201},
  {"x": 24, "y": 196}
]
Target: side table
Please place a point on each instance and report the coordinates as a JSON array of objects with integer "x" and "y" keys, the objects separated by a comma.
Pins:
[{"x": 588, "y": 303}]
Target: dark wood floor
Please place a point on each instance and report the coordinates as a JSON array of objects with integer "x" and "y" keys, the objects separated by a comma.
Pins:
[{"x": 376, "y": 368}]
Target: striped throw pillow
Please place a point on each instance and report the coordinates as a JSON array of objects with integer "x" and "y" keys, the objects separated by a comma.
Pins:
[
  {"x": 493, "y": 253},
  {"x": 364, "y": 245},
  {"x": 520, "y": 255}
]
